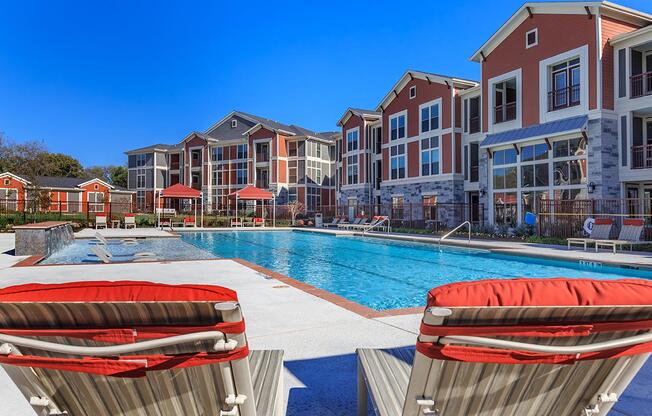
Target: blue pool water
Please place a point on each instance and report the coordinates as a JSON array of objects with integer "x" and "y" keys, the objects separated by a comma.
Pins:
[
  {"x": 382, "y": 274},
  {"x": 164, "y": 248}
]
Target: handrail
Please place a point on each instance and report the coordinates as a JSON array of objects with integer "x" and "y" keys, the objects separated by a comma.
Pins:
[
  {"x": 551, "y": 349},
  {"x": 220, "y": 345},
  {"x": 448, "y": 234}
]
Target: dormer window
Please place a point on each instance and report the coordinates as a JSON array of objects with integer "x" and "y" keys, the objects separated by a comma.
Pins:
[
  {"x": 234, "y": 123},
  {"x": 7, "y": 182},
  {"x": 413, "y": 91},
  {"x": 531, "y": 38}
]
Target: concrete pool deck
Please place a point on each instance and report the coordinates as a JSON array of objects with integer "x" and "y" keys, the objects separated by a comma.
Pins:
[{"x": 319, "y": 337}]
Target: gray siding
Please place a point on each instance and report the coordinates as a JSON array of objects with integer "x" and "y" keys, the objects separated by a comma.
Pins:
[{"x": 224, "y": 131}]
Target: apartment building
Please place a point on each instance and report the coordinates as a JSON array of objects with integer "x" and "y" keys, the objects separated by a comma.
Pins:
[
  {"x": 561, "y": 112},
  {"x": 67, "y": 195},
  {"x": 240, "y": 149}
]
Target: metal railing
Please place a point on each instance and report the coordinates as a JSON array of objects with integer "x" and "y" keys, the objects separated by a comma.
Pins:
[
  {"x": 378, "y": 224},
  {"x": 640, "y": 85},
  {"x": 642, "y": 156},
  {"x": 448, "y": 234},
  {"x": 564, "y": 98},
  {"x": 505, "y": 112}
]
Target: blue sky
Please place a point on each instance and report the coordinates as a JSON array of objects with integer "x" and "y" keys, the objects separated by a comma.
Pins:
[{"x": 94, "y": 79}]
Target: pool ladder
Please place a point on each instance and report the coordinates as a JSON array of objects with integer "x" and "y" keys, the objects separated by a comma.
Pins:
[{"x": 448, "y": 234}]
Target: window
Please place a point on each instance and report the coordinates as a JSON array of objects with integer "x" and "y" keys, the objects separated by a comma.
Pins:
[
  {"x": 505, "y": 208},
  {"x": 430, "y": 156},
  {"x": 218, "y": 154},
  {"x": 292, "y": 149},
  {"x": 397, "y": 127},
  {"x": 313, "y": 196},
  {"x": 234, "y": 123},
  {"x": 531, "y": 201},
  {"x": 292, "y": 172},
  {"x": 472, "y": 115},
  {"x": 352, "y": 170},
  {"x": 531, "y": 38},
  {"x": 313, "y": 171},
  {"x": 565, "y": 85},
  {"x": 397, "y": 161},
  {"x": 429, "y": 207},
  {"x": 504, "y": 176},
  {"x": 141, "y": 160},
  {"x": 195, "y": 157},
  {"x": 473, "y": 162},
  {"x": 429, "y": 118},
  {"x": 242, "y": 151},
  {"x": 398, "y": 206},
  {"x": 7, "y": 182},
  {"x": 140, "y": 178},
  {"x": 534, "y": 174},
  {"x": 413, "y": 91},
  {"x": 505, "y": 101},
  {"x": 571, "y": 170},
  {"x": 241, "y": 173},
  {"x": 292, "y": 193},
  {"x": 95, "y": 202},
  {"x": 8, "y": 199},
  {"x": 352, "y": 140}
]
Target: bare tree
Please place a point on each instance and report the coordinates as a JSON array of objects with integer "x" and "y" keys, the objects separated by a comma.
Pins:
[{"x": 296, "y": 208}]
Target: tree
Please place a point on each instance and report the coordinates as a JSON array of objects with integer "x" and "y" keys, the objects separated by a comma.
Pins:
[
  {"x": 98, "y": 172},
  {"x": 118, "y": 175},
  {"x": 60, "y": 164},
  {"x": 296, "y": 208}
]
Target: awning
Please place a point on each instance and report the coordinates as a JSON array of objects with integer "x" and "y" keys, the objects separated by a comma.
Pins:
[
  {"x": 252, "y": 193},
  {"x": 180, "y": 191},
  {"x": 540, "y": 131}
]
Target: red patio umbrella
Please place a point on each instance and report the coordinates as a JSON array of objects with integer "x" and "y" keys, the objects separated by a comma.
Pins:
[
  {"x": 251, "y": 193},
  {"x": 180, "y": 191}
]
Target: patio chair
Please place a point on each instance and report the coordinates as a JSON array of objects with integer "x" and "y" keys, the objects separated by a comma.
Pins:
[
  {"x": 258, "y": 222},
  {"x": 130, "y": 221},
  {"x": 346, "y": 225},
  {"x": 106, "y": 256},
  {"x": 544, "y": 347},
  {"x": 333, "y": 223},
  {"x": 363, "y": 224},
  {"x": 382, "y": 224},
  {"x": 189, "y": 222},
  {"x": 630, "y": 234},
  {"x": 236, "y": 222},
  {"x": 601, "y": 231},
  {"x": 135, "y": 348},
  {"x": 100, "y": 222},
  {"x": 100, "y": 239}
]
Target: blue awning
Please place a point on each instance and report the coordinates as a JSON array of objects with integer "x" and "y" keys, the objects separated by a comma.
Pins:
[{"x": 552, "y": 128}]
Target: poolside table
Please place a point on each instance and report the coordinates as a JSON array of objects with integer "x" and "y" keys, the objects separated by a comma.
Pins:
[{"x": 115, "y": 223}]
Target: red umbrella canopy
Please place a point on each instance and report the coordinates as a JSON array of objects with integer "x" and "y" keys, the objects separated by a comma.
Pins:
[
  {"x": 252, "y": 193},
  {"x": 180, "y": 191}
]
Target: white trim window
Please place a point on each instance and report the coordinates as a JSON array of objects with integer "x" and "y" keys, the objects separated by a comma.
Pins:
[
  {"x": 569, "y": 168},
  {"x": 505, "y": 100},
  {"x": 8, "y": 199},
  {"x": 430, "y": 114},
  {"x": 532, "y": 38},
  {"x": 242, "y": 151},
  {"x": 234, "y": 123},
  {"x": 430, "y": 156},
  {"x": 140, "y": 200},
  {"x": 397, "y": 162},
  {"x": 534, "y": 166},
  {"x": 96, "y": 202},
  {"x": 397, "y": 127},
  {"x": 565, "y": 82},
  {"x": 241, "y": 173},
  {"x": 217, "y": 154},
  {"x": 352, "y": 139},
  {"x": 352, "y": 170},
  {"x": 413, "y": 92},
  {"x": 505, "y": 181},
  {"x": 140, "y": 178},
  {"x": 141, "y": 160},
  {"x": 563, "y": 85}
]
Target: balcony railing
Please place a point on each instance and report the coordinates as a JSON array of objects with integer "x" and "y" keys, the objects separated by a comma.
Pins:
[
  {"x": 262, "y": 184},
  {"x": 640, "y": 85},
  {"x": 506, "y": 112},
  {"x": 642, "y": 156},
  {"x": 474, "y": 124},
  {"x": 174, "y": 166},
  {"x": 564, "y": 98},
  {"x": 474, "y": 174},
  {"x": 262, "y": 157}
]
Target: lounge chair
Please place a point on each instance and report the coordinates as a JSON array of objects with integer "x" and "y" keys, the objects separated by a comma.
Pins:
[
  {"x": 630, "y": 234},
  {"x": 100, "y": 222},
  {"x": 364, "y": 223},
  {"x": 189, "y": 222},
  {"x": 236, "y": 222},
  {"x": 135, "y": 348},
  {"x": 130, "y": 221},
  {"x": 601, "y": 231},
  {"x": 346, "y": 225},
  {"x": 106, "y": 242},
  {"x": 380, "y": 222},
  {"x": 544, "y": 347},
  {"x": 107, "y": 257},
  {"x": 258, "y": 222},
  {"x": 333, "y": 223}
]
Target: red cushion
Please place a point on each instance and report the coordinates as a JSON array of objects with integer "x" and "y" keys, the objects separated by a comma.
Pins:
[
  {"x": 542, "y": 292},
  {"x": 122, "y": 291},
  {"x": 603, "y": 221},
  {"x": 637, "y": 222}
]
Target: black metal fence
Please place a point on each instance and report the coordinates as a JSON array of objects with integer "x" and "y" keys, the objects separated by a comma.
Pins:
[{"x": 566, "y": 218}]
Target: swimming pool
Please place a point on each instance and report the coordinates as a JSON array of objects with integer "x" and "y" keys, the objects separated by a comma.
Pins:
[
  {"x": 382, "y": 274},
  {"x": 164, "y": 248}
]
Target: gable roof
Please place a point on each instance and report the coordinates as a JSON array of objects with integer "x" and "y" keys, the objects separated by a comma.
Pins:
[
  {"x": 558, "y": 7},
  {"x": 62, "y": 182},
  {"x": 159, "y": 147},
  {"x": 365, "y": 114},
  {"x": 426, "y": 76},
  {"x": 16, "y": 177}
]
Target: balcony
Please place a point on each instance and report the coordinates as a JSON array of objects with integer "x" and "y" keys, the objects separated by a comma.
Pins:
[
  {"x": 642, "y": 156},
  {"x": 474, "y": 124},
  {"x": 262, "y": 184},
  {"x": 564, "y": 98},
  {"x": 474, "y": 173},
  {"x": 174, "y": 165},
  {"x": 505, "y": 112},
  {"x": 262, "y": 157},
  {"x": 640, "y": 85}
]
